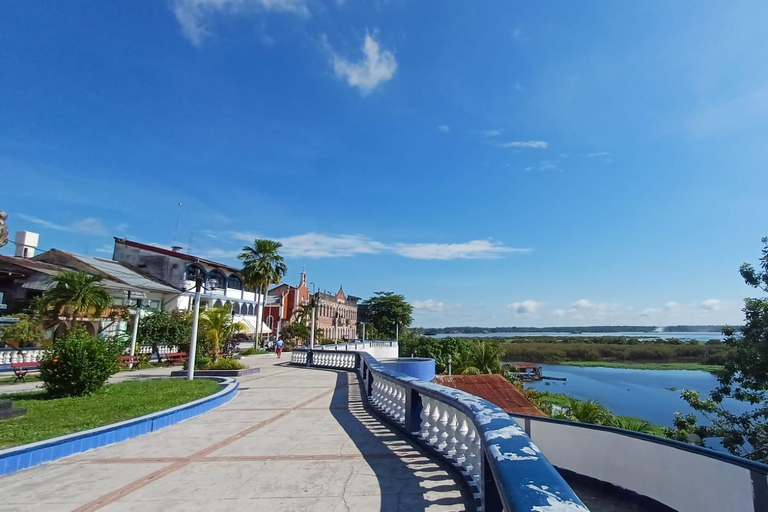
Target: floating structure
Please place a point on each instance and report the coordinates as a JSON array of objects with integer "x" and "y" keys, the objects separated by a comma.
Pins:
[{"x": 525, "y": 371}]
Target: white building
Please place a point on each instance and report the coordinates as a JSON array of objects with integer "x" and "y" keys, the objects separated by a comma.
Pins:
[{"x": 222, "y": 284}]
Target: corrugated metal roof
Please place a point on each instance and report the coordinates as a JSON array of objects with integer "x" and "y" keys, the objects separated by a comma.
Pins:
[
  {"x": 118, "y": 271},
  {"x": 495, "y": 389}
]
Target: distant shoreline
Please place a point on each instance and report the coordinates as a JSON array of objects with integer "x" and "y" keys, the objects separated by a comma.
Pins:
[{"x": 594, "y": 329}]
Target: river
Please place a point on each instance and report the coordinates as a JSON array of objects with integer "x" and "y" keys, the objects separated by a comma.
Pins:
[
  {"x": 701, "y": 336},
  {"x": 653, "y": 395}
]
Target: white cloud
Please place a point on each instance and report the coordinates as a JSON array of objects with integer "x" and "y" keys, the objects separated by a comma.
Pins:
[
  {"x": 530, "y": 144},
  {"x": 476, "y": 249},
  {"x": 595, "y": 155},
  {"x": 586, "y": 309},
  {"x": 428, "y": 305},
  {"x": 194, "y": 15},
  {"x": 444, "y": 128},
  {"x": 491, "y": 133},
  {"x": 710, "y": 305},
  {"x": 87, "y": 226},
  {"x": 105, "y": 249},
  {"x": 366, "y": 74},
  {"x": 670, "y": 309},
  {"x": 517, "y": 33},
  {"x": 317, "y": 245},
  {"x": 527, "y": 307}
]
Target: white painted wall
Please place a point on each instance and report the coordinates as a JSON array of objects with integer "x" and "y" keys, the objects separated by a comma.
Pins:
[{"x": 683, "y": 480}]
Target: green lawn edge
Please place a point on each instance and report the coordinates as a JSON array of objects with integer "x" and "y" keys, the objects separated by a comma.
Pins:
[{"x": 47, "y": 418}]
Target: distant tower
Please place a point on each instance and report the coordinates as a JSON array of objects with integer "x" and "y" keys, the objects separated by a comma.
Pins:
[
  {"x": 26, "y": 243},
  {"x": 303, "y": 278}
]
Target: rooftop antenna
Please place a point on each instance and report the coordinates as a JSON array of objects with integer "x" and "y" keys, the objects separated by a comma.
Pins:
[{"x": 176, "y": 229}]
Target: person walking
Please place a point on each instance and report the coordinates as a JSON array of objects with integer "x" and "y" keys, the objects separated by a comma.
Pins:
[{"x": 279, "y": 347}]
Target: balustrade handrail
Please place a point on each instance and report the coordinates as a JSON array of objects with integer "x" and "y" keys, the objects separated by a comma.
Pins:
[
  {"x": 500, "y": 463},
  {"x": 698, "y": 450}
]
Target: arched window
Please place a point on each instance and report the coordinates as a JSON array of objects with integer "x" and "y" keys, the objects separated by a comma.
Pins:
[
  {"x": 221, "y": 280},
  {"x": 234, "y": 282},
  {"x": 193, "y": 271}
]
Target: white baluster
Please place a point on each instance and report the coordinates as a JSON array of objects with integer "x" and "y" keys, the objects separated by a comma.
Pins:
[
  {"x": 435, "y": 422},
  {"x": 461, "y": 440},
  {"x": 452, "y": 429},
  {"x": 442, "y": 440},
  {"x": 426, "y": 411}
]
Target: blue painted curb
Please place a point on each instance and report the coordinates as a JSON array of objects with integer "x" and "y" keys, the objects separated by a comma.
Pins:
[{"x": 29, "y": 455}]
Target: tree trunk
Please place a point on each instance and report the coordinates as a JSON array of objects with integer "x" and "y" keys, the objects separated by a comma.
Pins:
[{"x": 259, "y": 315}]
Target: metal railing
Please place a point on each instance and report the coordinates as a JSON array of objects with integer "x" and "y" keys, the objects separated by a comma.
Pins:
[{"x": 502, "y": 467}]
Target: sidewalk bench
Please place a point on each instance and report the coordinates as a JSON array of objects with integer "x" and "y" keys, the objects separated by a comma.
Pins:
[
  {"x": 22, "y": 369},
  {"x": 130, "y": 361},
  {"x": 175, "y": 358}
]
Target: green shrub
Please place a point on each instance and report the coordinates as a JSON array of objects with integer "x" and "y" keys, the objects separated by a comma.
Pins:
[
  {"x": 201, "y": 362},
  {"x": 226, "y": 364},
  {"x": 253, "y": 352},
  {"x": 78, "y": 364}
]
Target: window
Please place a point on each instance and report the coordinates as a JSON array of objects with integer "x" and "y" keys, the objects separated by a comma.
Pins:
[
  {"x": 193, "y": 271},
  {"x": 221, "y": 281},
  {"x": 234, "y": 283}
]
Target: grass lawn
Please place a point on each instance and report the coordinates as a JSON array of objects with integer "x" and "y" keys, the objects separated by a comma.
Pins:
[
  {"x": 646, "y": 366},
  {"x": 52, "y": 417},
  {"x": 31, "y": 377}
]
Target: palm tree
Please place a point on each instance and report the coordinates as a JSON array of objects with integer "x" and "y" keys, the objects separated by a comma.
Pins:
[
  {"x": 634, "y": 424},
  {"x": 262, "y": 267},
  {"x": 76, "y": 293},
  {"x": 218, "y": 326},
  {"x": 588, "y": 411},
  {"x": 482, "y": 357}
]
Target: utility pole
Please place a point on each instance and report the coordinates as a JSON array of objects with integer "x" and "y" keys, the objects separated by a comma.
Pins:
[
  {"x": 312, "y": 329},
  {"x": 397, "y": 332},
  {"x": 363, "y": 331},
  {"x": 195, "y": 320}
]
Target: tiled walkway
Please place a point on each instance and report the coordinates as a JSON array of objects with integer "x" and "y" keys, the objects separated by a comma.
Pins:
[{"x": 294, "y": 439}]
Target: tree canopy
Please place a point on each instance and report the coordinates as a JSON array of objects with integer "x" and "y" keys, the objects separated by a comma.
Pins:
[
  {"x": 76, "y": 294},
  {"x": 165, "y": 328},
  {"x": 218, "y": 326},
  {"x": 385, "y": 310},
  {"x": 263, "y": 266},
  {"x": 744, "y": 377}
]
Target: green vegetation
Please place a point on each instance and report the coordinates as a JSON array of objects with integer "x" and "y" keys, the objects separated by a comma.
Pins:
[
  {"x": 646, "y": 366},
  {"x": 217, "y": 326},
  {"x": 294, "y": 333},
  {"x": 76, "y": 294},
  {"x": 382, "y": 312},
  {"x": 78, "y": 364},
  {"x": 713, "y": 354},
  {"x": 744, "y": 378},
  {"x": 588, "y": 411},
  {"x": 166, "y": 328},
  {"x": 27, "y": 332},
  {"x": 253, "y": 352},
  {"x": 48, "y": 417},
  {"x": 263, "y": 266}
]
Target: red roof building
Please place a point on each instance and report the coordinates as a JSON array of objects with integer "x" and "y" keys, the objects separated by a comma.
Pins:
[{"x": 495, "y": 389}]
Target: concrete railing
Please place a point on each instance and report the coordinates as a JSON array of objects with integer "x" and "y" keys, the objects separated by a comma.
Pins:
[
  {"x": 378, "y": 349},
  {"x": 20, "y": 355},
  {"x": 502, "y": 467},
  {"x": 675, "y": 476}
]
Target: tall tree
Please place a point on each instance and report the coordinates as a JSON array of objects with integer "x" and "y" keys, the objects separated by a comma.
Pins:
[
  {"x": 263, "y": 266},
  {"x": 384, "y": 311},
  {"x": 76, "y": 293},
  {"x": 218, "y": 326},
  {"x": 744, "y": 377},
  {"x": 165, "y": 327}
]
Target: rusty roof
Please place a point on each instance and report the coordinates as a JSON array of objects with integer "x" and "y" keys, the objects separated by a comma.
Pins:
[
  {"x": 525, "y": 365},
  {"x": 493, "y": 388}
]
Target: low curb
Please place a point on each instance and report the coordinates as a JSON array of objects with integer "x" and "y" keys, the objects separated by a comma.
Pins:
[
  {"x": 30, "y": 455},
  {"x": 218, "y": 373}
]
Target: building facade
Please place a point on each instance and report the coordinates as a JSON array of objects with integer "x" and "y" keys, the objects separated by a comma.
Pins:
[
  {"x": 283, "y": 302},
  {"x": 337, "y": 316},
  {"x": 223, "y": 285}
]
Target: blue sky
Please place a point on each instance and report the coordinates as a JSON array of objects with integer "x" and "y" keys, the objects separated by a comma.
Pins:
[{"x": 499, "y": 163}]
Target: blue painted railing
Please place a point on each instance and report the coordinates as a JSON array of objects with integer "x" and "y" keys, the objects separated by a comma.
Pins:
[{"x": 498, "y": 461}]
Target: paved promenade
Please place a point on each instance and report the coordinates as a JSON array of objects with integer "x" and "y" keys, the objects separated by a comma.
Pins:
[{"x": 293, "y": 439}]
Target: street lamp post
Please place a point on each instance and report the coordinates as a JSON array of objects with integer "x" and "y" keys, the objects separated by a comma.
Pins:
[
  {"x": 397, "y": 332},
  {"x": 135, "y": 330},
  {"x": 363, "y": 331},
  {"x": 195, "y": 320}
]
